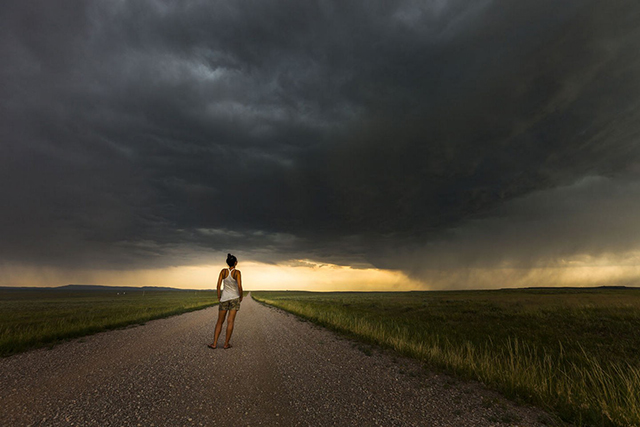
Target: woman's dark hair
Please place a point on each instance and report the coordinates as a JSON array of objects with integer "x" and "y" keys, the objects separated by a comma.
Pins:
[{"x": 231, "y": 260}]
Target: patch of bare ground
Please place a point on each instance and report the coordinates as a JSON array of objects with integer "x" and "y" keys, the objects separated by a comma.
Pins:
[{"x": 280, "y": 371}]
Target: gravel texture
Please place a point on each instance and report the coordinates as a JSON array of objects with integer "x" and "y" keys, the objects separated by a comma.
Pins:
[{"x": 280, "y": 371}]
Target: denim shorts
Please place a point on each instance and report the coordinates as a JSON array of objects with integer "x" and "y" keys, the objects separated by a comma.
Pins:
[{"x": 232, "y": 304}]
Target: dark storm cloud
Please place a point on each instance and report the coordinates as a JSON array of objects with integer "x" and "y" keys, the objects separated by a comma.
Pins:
[
  {"x": 530, "y": 240},
  {"x": 147, "y": 133}
]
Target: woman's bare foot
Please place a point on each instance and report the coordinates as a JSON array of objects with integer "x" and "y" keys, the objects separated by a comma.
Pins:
[
  {"x": 226, "y": 346},
  {"x": 213, "y": 346}
]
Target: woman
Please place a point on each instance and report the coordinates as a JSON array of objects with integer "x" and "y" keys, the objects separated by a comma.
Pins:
[{"x": 229, "y": 298}]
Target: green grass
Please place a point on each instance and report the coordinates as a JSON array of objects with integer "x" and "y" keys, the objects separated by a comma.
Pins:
[
  {"x": 35, "y": 318},
  {"x": 573, "y": 352}
]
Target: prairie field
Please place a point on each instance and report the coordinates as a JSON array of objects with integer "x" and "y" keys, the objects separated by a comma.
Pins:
[
  {"x": 571, "y": 351},
  {"x": 36, "y": 318}
]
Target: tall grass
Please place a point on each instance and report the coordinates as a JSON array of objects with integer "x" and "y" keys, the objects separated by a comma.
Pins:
[
  {"x": 554, "y": 369},
  {"x": 32, "y": 319}
]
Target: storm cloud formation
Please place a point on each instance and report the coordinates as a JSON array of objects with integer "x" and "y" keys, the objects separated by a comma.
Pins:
[{"x": 422, "y": 136}]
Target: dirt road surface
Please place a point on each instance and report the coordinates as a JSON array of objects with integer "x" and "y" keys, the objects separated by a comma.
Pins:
[{"x": 281, "y": 371}]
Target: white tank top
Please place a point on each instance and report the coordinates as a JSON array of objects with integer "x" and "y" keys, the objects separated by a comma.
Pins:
[{"x": 230, "y": 289}]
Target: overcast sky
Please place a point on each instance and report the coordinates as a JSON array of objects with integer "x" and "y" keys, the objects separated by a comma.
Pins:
[{"x": 439, "y": 138}]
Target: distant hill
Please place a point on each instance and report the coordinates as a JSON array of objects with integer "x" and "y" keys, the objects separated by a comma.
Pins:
[
  {"x": 116, "y": 288},
  {"x": 103, "y": 288},
  {"x": 574, "y": 288}
]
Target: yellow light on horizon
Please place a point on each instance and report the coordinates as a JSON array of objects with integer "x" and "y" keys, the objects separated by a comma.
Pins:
[{"x": 302, "y": 275}]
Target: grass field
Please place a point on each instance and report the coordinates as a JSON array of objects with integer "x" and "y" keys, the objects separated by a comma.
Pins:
[
  {"x": 574, "y": 352},
  {"x": 36, "y": 318}
]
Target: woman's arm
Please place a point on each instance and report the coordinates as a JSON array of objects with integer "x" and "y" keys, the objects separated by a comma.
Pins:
[
  {"x": 219, "y": 283},
  {"x": 239, "y": 280}
]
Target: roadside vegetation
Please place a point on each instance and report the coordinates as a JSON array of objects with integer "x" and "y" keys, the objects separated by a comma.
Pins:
[
  {"x": 35, "y": 318},
  {"x": 573, "y": 352}
]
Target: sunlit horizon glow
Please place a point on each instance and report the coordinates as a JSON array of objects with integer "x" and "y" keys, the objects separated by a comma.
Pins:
[
  {"x": 306, "y": 275},
  {"x": 309, "y": 275}
]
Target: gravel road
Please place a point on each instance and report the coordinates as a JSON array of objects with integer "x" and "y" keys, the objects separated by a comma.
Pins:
[{"x": 280, "y": 371}]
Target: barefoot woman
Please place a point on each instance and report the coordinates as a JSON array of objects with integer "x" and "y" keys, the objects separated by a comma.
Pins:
[{"x": 229, "y": 298}]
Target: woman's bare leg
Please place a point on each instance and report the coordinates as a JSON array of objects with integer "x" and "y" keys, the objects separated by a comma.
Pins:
[
  {"x": 221, "y": 315},
  {"x": 230, "y": 321}
]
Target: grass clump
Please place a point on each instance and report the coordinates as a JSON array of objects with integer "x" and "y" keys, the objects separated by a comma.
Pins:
[
  {"x": 570, "y": 351},
  {"x": 35, "y": 318}
]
